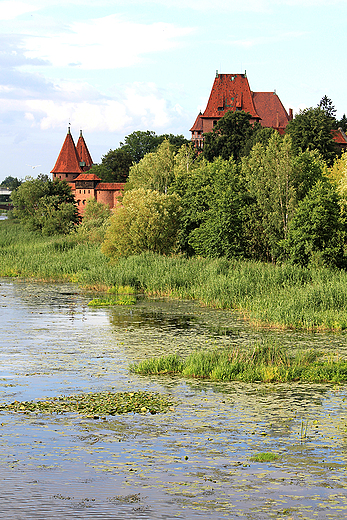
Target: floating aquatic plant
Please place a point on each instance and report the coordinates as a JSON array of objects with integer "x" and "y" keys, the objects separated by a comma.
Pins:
[
  {"x": 95, "y": 404},
  {"x": 265, "y": 457}
]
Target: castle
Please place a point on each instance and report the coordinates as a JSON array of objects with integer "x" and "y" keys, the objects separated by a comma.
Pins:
[
  {"x": 72, "y": 166},
  {"x": 230, "y": 92}
]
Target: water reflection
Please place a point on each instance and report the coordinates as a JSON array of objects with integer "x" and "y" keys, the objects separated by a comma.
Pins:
[{"x": 194, "y": 462}]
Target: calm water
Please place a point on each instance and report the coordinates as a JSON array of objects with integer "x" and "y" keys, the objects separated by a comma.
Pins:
[{"x": 135, "y": 466}]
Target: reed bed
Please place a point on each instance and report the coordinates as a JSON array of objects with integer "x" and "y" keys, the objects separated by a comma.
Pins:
[
  {"x": 264, "y": 363},
  {"x": 282, "y": 296}
]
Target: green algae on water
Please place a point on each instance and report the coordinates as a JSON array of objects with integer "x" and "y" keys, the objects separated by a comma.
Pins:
[{"x": 95, "y": 404}]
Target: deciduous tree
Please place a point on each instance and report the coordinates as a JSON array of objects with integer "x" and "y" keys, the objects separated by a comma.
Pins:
[
  {"x": 45, "y": 205},
  {"x": 229, "y": 136},
  {"x": 145, "y": 221}
]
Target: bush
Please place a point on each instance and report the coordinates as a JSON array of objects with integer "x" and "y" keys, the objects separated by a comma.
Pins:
[{"x": 146, "y": 221}]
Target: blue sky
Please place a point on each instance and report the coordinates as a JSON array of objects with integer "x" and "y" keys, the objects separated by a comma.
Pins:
[{"x": 115, "y": 66}]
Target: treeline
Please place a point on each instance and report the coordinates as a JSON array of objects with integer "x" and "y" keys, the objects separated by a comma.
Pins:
[{"x": 250, "y": 193}]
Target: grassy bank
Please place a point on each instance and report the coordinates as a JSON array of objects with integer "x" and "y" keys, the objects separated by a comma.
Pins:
[
  {"x": 279, "y": 296},
  {"x": 267, "y": 363}
]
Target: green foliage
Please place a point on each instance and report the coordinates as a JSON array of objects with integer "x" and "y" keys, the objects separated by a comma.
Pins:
[
  {"x": 259, "y": 135},
  {"x": 311, "y": 129},
  {"x": 265, "y": 457},
  {"x": 318, "y": 231},
  {"x": 277, "y": 179},
  {"x": 46, "y": 206},
  {"x": 94, "y": 222},
  {"x": 109, "y": 302},
  {"x": 343, "y": 123},
  {"x": 228, "y": 138},
  {"x": 117, "y": 164},
  {"x": 330, "y": 111},
  {"x": 146, "y": 221},
  {"x": 12, "y": 183},
  {"x": 155, "y": 171},
  {"x": 213, "y": 198},
  {"x": 263, "y": 363},
  {"x": 140, "y": 143}
]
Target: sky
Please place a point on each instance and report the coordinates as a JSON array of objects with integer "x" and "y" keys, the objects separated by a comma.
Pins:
[{"x": 112, "y": 67}]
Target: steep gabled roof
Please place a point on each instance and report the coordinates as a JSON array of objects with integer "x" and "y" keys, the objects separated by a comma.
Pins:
[
  {"x": 339, "y": 137},
  {"x": 68, "y": 159},
  {"x": 197, "y": 126},
  {"x": 230, "y": 92},
  {"x": 269, "y": 107},
  {"x": 83, "y": 153}
]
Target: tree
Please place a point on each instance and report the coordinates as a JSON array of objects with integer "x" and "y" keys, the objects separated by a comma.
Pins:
[
  {"x": 11, "y": 183},
  {"x": 139, "y": 143},
  {"x": 312, "y": 130},
  {"x": 277, "y": 179},
  {"x": 94, "y": 222},
  {"x": 260, "y": 135},
  {"x": 46, "y": 206},
  {"x": 330, "y": 111},
  {"x": 118, "y": 163},
  {"x": 343, "y": 123},
  {"x": 228, "y": 137},
  {"x": 145, "y": 221},
  {"x": 318, "y": 230},
  {"x": 155, "y": 171},
  {"x": 214, "y": 203}
]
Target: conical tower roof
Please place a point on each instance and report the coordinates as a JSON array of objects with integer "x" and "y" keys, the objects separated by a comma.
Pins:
[
  {"x": 85, "y": 158},
  {"x": 68, "y": 159}
]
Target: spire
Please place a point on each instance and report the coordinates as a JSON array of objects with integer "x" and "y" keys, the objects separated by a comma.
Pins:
[
  {"x": 85, "y": 160},
  {"x": 68, "y": 159}
]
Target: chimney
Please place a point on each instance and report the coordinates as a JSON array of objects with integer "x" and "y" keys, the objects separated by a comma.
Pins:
[{"x": 290, "y": 114}]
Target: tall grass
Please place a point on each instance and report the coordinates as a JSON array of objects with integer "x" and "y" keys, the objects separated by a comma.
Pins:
[
  {"x": 266, "y": 363},
  {"x": 281, "y": 296}
]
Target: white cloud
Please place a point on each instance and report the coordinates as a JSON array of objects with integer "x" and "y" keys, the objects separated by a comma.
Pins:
[
  {"x": 10, "y": 9},
  {"x": 104, "y": 43},
  {"x": 139, "y": 105}
]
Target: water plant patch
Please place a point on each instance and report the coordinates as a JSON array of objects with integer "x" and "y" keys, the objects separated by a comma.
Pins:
[
  {"x": 265, "y": 362},
  {"x": 265, "y": 457},
  {"x": 95, "y": 404},
  {"x": 106, "y": 302}
]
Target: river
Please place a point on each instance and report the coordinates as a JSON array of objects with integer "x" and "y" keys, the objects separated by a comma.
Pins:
[{"x": 193, "y": 462}]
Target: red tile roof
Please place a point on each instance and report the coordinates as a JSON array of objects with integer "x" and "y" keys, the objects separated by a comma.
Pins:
[
  {"x": 87, "y": 177},
  {"x": 197, "y": 126},
  {"x": 339, "y": 136},
  {"x": 83, "y": 153},
  {"x": 230, "y": 92},
  {"x": 112, "y": 186},
  {"x": 269, "y": 107},
  {"x": 68, "y": 159}
]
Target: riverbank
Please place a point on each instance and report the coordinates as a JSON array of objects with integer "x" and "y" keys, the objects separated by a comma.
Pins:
[{"x": 276, "y": 296}]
